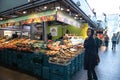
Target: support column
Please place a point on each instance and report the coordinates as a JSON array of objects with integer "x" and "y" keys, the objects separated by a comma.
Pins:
[
  {"x": 32, "y": 30},
  {"x": 45, "y": 31}
]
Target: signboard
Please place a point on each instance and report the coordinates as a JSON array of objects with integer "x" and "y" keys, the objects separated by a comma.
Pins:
[
  {"x": 32, "y": 18},
  {"x": 25, "y": 34},
  {"x": 8, "y": 33},
  {"x": 54, "y": 31},
  {"x": 63, "y": 17}
]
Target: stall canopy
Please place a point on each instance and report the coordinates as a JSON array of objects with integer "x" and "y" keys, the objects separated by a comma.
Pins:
[
  {"x": 45, "y": 16},
  {"x": 32, "y": 18}
]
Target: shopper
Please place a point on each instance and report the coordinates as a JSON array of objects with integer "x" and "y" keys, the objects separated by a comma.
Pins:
[
  {"x": 91, "y": 56},
  {"x": 98, "y": 42},
  {"x": 106, "y": 40},
  {"x": 114, "y": 39}
]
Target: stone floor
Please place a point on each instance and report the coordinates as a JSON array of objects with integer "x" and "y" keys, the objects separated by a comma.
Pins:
[{"x": 108, "y": 68}]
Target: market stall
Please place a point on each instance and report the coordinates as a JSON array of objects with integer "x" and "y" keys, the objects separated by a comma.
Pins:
[
  {"x": 59, "y": 57},
  {"x": 43, "y": 60}
]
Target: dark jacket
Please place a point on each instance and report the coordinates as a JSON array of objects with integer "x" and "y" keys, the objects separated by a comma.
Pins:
[
  {"x": 98, "y": 43},
  {"x": 14, "y": 36},
  {"x": 91, "y": 55},
  {"x": 49, "y": 36}
]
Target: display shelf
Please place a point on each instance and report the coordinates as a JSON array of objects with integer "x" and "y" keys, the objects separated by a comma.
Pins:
[{"x": 39, "y": 64}]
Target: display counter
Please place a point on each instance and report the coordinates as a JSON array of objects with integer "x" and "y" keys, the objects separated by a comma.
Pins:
[
  {"x": 39, "y": 64},
  {"x": 62, "y": 64}
]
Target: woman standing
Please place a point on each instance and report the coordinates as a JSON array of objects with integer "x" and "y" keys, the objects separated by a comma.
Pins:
[{"x": 91, "y": 56}]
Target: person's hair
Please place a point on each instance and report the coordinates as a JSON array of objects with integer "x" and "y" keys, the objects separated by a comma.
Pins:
[
  {"x": 96, "y": 34},
  {"x": 92, "y": 31}
]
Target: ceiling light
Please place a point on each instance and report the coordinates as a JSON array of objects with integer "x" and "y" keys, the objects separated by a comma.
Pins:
[
  {"x": 68, "y": 10},
  {"x": 76, "y": 15},
  {"x": 45, "y": 7},
  {"x": 1, "y": 18},
  {"x": 24, "y": 12},
  {"x": 80, "y": 18},
  {"x": 62, "y": 9}
]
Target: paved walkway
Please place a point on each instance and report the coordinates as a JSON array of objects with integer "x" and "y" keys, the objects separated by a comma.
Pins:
[{"x": 109, "y": 66}]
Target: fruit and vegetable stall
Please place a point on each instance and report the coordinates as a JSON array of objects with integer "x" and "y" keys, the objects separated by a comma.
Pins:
[{"x": 50, "y": 61}]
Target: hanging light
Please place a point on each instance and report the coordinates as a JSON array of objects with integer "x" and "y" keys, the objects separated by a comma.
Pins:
[
  {"x": 76, "y": 15},
  {"x": 80, "y": 18},
  {"x": 45, "y": 7},
  {"x": 68, "y": 10},
  {"x": 24, "y": 12},
  {"x": 62, "y": 9},
  {"x": 1, "y": 19}
]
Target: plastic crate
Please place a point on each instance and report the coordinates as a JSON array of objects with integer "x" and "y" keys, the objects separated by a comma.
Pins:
[
  {"x": 61, "y": 69},
  {"x": 46, "y": 72},
  {"x": 37, "y": 69},
  {"x": 80, "y": 66},
  {"x": 26, "y": 67},
  {"x": 1, "y": 57},
  {"x": 45, "y": 60},
  {"x": 37, "y": 59},
  {"x": 59, "y": 77}
]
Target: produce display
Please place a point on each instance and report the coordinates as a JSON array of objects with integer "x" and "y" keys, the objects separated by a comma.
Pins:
[
  {"x": 22, "y": 44},
  {"x": 59, "y": 52},
  {"x": 62, "y": 57},
  {"x": 63, "y": 53},
  {"x": 38, "y": 44},
  {"x": 25, "y": 45},
  {"x": 2, "y": 40}
]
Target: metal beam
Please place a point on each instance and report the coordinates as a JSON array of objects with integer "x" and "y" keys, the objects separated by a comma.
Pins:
[
  {"x": 77, "y": 9},
  {"x": 27, "y": 6}
]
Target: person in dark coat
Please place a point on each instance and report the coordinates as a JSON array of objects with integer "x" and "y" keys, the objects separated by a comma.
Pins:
[
  {"x": 98, "y": 42},
  {"x": 106, "y": 40},
  {"x": 49, "y": 36},
  {"x": 91, "y": 56},
  {"x": 14, "y": 35}
]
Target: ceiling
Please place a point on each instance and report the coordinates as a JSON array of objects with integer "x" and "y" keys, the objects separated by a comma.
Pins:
[{"x": 38, "y": 6}]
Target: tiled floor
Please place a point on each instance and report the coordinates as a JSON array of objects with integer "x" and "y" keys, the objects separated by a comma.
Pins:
[
  {"x": 108, "y": 69},
  {"x": 109, "y": 66}
]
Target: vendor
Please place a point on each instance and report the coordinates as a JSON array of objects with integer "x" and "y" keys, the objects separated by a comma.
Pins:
[
  {"x": 14, "y": 35},
  {"x": 49, "y": 36}
]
